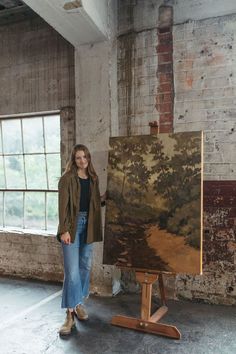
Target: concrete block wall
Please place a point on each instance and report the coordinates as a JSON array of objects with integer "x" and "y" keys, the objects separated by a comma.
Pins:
[
  {"x": 137, "y": 66},
  {"x": 36, "y": 74},
  {"x": 204, "y": 90},
  {"x": 205, "y": 99},
  {"x": 28, "y": 255}
]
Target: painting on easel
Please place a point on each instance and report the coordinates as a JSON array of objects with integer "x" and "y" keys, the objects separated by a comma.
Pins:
[{"x": 154, "y": 205}]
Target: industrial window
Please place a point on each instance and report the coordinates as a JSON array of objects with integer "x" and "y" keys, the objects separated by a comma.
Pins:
[{"x": 29, "y": 172}]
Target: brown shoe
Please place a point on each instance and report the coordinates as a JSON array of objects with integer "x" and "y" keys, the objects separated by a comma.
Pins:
[
  {"x": 81, "y": 313},
  {"x": 68, "y": 324}
]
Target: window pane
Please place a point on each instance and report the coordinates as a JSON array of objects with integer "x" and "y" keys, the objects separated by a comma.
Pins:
[
  {"x": 0, "y": 138},
  {"x": 1, "y": 209},
  {"x": 52, "y": 211},
  {"x": 33, "y": 135},
  {"x": 2, "y": 178},
  {"x": 35, "y": 171},
  {"x": 11, "y": 134},
  {"x": 14, "y": 209},
  {"x": 52, "y": 133},
  {"x": 15, "y": 172},
  {"x": 54, "y": 170},
  {"x": 35, "y": 210}
]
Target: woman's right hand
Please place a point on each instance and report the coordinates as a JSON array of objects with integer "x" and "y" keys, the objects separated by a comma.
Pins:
[{"x": 65, "y": 238}]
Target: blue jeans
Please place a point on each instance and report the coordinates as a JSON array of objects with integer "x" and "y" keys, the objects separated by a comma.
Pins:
[{"x": 77, "y": 265}]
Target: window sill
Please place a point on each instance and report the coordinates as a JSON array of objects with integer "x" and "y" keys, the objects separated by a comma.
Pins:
[{"x": 24, "y": 232}]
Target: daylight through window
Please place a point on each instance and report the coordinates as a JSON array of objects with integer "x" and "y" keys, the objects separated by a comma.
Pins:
[{"x": 29, "y": 172}]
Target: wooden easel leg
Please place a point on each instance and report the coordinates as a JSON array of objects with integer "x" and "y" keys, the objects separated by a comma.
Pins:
[
  {"x": 163, "y": 309},
  {"x": 148, "y": 323},
  {"x": 162, "y": 289},
  {"x": 146, "y": 299}
]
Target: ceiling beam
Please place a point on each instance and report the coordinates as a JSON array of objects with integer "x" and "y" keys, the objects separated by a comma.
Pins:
[{"x": 79, "y": 21}]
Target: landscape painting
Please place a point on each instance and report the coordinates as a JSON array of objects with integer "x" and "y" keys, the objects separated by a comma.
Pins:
[{"x": 154, "y": 206}]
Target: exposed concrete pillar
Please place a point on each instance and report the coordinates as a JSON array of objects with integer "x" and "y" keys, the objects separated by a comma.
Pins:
[
  {"x": 94, "y": 92},
  {"x": 67, "y": 115}
]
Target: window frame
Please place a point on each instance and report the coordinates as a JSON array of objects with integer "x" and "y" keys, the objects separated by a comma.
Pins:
[{"x": 25, "y": 190}]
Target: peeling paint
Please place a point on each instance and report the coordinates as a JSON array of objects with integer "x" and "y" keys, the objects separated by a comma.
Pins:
[{"x": 71, "y": 5}]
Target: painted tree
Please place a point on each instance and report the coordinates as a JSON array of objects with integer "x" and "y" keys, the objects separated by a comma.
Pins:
[
  {"x": 127, "y": 157},
  {"x": 177, "y": 175},
  {"x": 178, "y": 180},
  {"x": 161, "y": 169}
]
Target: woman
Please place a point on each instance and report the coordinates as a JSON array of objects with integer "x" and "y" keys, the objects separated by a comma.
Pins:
[{"x": 79, "y": 226}]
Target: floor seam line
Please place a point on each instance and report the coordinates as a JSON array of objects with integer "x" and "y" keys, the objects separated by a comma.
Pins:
[{"x": 30, "y": 309}]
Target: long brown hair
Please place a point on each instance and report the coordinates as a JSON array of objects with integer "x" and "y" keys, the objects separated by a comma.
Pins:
[{"x": 71, "y": 164}]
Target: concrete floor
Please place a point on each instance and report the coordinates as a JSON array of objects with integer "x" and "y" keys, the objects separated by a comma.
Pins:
[{"x": 30, "y": 317}]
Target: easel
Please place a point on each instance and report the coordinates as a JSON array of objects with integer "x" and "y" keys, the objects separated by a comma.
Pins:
[{"x": 147, "y": 322}]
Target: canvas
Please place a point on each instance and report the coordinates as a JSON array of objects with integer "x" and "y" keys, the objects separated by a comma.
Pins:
[{"x": 154, "y": 207}]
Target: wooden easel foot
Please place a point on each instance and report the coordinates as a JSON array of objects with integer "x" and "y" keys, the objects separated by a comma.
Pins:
[
  {"x": 147, "y": 323},
  {"x": 146, "y": 326}
]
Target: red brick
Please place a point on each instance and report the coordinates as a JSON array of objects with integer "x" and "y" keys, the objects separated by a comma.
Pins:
[
  {"x": 165, "y": 107},
  {"x": 164, "y": 30},
  {"x": 168, "y": 97},
  {"x": 165, "y": 78},
  {"x": 220, "y": 188},
  {"x": 164, "y": 48},
  {"x": 218, "y": 251},
  {"x": 165, "y": 68},
  {"x": 165, "y": 58},
  {"x": 166, "y": 118},
  {"x": 164, "y": 98},
  {"x": 220, "y": 201},
  {"x": 165, "y": 37},
  {"x": 165, "y": 87},
  {"x": 167, "y": 128},
  {"x": 219, "y": 194}
]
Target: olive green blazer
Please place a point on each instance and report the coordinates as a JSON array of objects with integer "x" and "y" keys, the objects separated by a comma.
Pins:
[{"x": 68, "y": 207}]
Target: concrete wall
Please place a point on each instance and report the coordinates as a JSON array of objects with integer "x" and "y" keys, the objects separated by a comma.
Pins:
[
  {"x": 137, "y": 66},
  {"x": 36, "y": 68},
  {"x": 204, "y": 89},
  {"x": 36, "y": 74},
  {"x": 187, "y": 10},
  {"x": 205, "y": 93},
  {"x": 205, "y": 99},
  {"x": 30, "y": 256}
]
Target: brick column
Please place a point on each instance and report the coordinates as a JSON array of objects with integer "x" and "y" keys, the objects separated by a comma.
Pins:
[{"x": 165, "y": 91}]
